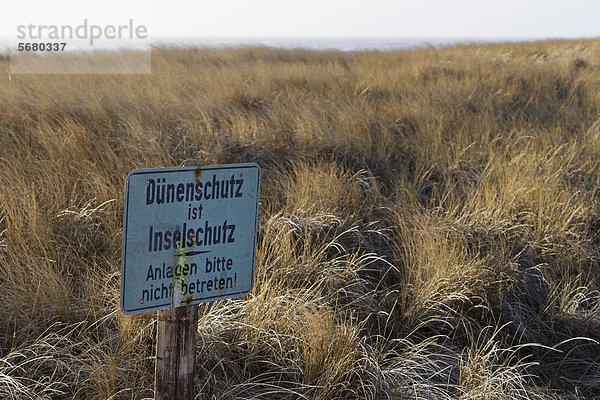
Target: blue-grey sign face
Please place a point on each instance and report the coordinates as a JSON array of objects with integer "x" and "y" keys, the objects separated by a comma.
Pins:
[{"x": 189, "y": 235}]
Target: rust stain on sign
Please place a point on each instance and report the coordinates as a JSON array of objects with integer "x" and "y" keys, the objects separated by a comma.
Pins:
[{"x": 198, "y": 172}]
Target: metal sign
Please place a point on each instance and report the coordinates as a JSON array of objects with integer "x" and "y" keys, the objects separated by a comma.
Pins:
[{"x": 189, "y": 235}]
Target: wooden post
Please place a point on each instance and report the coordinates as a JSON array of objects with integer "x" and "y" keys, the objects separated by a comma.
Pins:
[{"x": 176, "y": 353}]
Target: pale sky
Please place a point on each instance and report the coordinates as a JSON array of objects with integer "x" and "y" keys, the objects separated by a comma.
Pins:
[
  {"x": 321, "y": 18},
  {"x": 463, "y": 18}
]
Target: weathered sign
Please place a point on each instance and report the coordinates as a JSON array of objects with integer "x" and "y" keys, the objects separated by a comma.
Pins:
[{"x": 189, "y": 235}]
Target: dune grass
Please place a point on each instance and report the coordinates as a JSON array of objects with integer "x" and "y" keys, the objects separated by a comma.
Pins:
[{"x": 429, "y": 222}]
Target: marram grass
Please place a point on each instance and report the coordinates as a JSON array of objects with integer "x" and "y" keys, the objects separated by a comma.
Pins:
[{"x": 429, "y": 222}]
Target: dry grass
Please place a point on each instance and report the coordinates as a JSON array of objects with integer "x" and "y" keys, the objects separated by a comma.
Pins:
[{"x": 428, "y": 227}]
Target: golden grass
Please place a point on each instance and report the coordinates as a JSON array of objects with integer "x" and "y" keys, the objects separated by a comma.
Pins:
[{"x": 428, "y": 225}]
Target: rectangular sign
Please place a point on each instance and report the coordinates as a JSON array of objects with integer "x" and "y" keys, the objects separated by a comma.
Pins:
[{"x": 189, "y": 235}]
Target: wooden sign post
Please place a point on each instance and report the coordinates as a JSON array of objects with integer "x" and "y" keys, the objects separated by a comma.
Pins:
[
  {"x": 189, "y": 237},
  {"x": 176, "y": 353}
]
